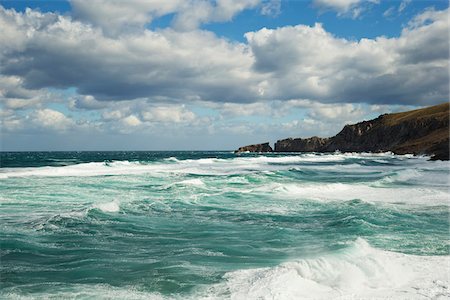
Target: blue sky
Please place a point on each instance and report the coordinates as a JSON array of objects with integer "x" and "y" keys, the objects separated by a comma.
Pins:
[{"x": 212, "y": 75}]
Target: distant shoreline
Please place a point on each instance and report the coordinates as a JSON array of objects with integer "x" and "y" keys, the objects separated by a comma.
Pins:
[{"x": 420, "y": 132}]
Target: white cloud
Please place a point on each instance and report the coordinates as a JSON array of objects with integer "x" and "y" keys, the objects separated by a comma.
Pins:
[
  {"x": 271, "y": 8},
  {"x": 352, "y": 8},
  {"x": 403, "y": 5},
  {"x": 113, "y": 115},
  {"x": 10, "y": 121},
  {"x": 126, "y": 76},
  {"x": 51, "y": 119},
  {"x": 310, "y": 63},
  {"x": 131, "y": 120},
  {"x": 116, "y": 16},
  {"x": 389, "y": 12},
  {"x": 13, "y": 94},
  {"x": 86, "y": 102},
  {"x": 168, "y": 114},
  {"x": 341, "y": 6},
  {"x": 345, "y": 112},
  {"x": 191, "y": 14},
  {"x": 66, "y": 54}
]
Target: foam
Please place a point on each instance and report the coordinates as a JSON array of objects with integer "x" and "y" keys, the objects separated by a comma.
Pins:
[
  {"x": 358, "y": 271},
  {"x": 85, "y": 291},
  {"x": 292, "y": 159},
  {"x": 344, "y": 192},
  {"x": 194, "y": 181},
  {"x": 204, "y": 166},
  {"x": 402, "y": 176},
  {"x": 172, "y": 158},
  {"x": 108, "y": 207}
]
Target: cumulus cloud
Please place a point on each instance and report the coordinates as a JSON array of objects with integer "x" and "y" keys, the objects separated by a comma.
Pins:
[
  {"x": 310, "y": 63},
  {"x": 132, "y": 120},
  {"x": 168, "y": 114},
  {"x": 66, "y": 53},
  {"x": 51, "y": 119},
  {"x": 132, "y": 64},
  {"x": 116, "y": 16},
  {"x": 13, "y": 95},
  {"x": 191, "y": 14},
  {"x": 87, "y": 102}
]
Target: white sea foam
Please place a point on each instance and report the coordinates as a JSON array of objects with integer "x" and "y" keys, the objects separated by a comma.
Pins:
[
  {"x": 364, "y": 192},
  {"x": 204, "y": 166},
  {"x": 194, "y": 181},
  {"x": 291, "y": 159},
  {"x": 172, "y": 158},
  {"x": 112, "y": 206},
  {"x": 85, "y": 291},
  {"x": 359, "y": 271},
  {"x": 402, "y": 176}
]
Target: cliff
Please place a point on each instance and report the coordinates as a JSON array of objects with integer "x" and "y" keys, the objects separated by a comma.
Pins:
[
  {"x": 265, "y": 147},
  {"x": 307, "y": 145},
  {"x": 421, "y": 131}
]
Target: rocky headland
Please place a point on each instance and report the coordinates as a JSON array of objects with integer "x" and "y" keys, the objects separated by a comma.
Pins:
[
  {"x": 421, "y": 132},
  {"x": 264, "y": 147}
]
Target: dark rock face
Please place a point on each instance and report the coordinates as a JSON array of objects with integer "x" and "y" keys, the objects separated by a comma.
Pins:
[
  {"x": 265, "y": 147},
  {"x": 422, "y": 131},
  {"x": 307, "y": 145}
]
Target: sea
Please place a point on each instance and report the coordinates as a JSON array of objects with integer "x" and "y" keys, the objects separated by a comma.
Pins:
[{"x": 219, "y": 225}]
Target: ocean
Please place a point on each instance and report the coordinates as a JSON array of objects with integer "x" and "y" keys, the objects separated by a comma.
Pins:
[{"x": 217, "y": 225}]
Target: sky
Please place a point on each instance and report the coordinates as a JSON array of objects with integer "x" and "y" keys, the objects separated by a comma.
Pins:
[{"x": 211, "y": 75}]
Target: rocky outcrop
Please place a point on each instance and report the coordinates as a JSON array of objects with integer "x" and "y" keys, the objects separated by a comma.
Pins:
[
  {"x": 265, "y": 147},
  {"x": 422, "y": 131},
  {"x": 307, "y": 145}
]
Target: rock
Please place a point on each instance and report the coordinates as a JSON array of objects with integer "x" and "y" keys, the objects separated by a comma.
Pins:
[
  {"x": 306, "y": 145},
  {"x": 421, "y": 131},
  {"x": 265, "y": 147}
]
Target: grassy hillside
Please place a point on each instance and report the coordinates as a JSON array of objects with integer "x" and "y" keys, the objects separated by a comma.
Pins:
[{"x": 440, "y": 111}]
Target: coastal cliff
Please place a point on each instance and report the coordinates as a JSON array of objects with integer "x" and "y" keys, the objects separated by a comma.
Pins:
[
  {"x": 421, "y": 131},
  {"x": 264, "y": 147}
]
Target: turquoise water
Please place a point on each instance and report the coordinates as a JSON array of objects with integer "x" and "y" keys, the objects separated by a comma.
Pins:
[{"x": 216, "y": 225}]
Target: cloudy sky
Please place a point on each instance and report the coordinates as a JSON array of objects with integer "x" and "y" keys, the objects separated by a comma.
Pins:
[{"x": 211, "y": 75}]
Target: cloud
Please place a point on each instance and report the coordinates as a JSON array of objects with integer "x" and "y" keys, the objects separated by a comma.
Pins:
[
  {"x": 191, "y": 14},
  {"x": 87, "y": 102},
  {"x": 132, "y": 120},
  {"x": 352, "y": 8},
  {"x": 115, "y": 17},
  {"x": 51, "y": 119},
  {"x": 10, "y": 121},
  {"x": 392, "y": 11},
  {"x": 15, "y": 96},
  {"x": 388, "y": 13},
  {"x": 44, "y": 51},
  {"x": 66, "y": 53},
  {"x": 271, "y": 8},
  {"x": 403, "y": 5},
  {"x": 168, "y": 114},
  {"x": 341, "y": 6},
  {"x": 310, "y": 63}
]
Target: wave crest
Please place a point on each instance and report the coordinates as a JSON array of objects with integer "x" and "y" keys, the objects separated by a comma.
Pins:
[{"x": 359, "y": 271}]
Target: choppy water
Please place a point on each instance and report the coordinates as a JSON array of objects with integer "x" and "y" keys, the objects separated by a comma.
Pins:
[{"x": 143, "y": 225}]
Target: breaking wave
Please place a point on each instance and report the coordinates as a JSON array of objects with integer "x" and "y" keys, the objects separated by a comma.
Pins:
[{"x": 358, "y": 271}]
